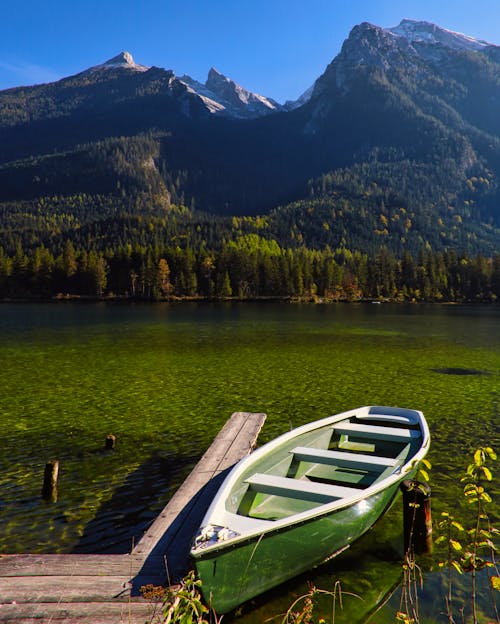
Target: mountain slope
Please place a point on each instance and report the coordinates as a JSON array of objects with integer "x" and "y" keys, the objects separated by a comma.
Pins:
[{"x": 403, "y": 118}]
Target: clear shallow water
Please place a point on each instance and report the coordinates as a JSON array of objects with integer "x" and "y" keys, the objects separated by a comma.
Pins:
[{"x": 164, "y": 378}]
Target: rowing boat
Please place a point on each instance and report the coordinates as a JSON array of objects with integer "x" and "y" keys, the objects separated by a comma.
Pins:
[{"x": 303, "y": 498}]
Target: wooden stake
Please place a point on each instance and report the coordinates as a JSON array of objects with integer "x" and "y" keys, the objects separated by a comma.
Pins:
[
  {"x": 50, "y": 477},
  {"x": 110, "y": 441},
  {"x": 417, "y": 517}
]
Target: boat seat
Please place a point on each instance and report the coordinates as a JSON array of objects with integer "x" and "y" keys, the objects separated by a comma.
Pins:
[
  {"x": 388, "y": 418},
  {"x": 300, "y": 488},
  {"x": 356, "y": 461},
  {"x": 393, "y": 434}
]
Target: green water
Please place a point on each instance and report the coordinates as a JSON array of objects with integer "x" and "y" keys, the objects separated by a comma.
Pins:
[{"x": 164, "y": 378}]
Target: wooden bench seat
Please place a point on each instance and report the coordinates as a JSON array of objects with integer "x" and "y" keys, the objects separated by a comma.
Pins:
[
  {"x": 394, "y": 434},
  {"x": 299, "y": 488},
  {"x": 356, "y": 461}
]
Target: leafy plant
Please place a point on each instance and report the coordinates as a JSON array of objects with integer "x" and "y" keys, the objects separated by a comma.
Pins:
[
  {"x": 480, "y": 549},
  {"x": 473, "y": 549},
  {"x": 423, "y": 470},
  {"x": 183, "y": 604},
  {"x": 451, "y": 528}
]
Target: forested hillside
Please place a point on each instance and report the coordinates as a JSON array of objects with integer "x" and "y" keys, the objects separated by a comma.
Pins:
[
  {"x": 176, "y": 254},
  {"x": 382, "y": 183}
]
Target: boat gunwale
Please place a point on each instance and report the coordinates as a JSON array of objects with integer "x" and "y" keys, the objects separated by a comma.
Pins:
[{"x": 265, "y": 527}]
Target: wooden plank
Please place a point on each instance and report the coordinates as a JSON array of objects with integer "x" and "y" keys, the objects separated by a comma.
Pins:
[
  {"x": 395, "y": 434},
  {"x": 235, "y": 440},
  {"x": 245, "y": 442},
  {"x": 132, "y": 612},
  {"x": 342, "y": 459},
  {"x": 64, "y": 588},
  {"x": 59, "y": 565},
  {"x": 29, "y": 589},
  {"x": 300, "y": 488}
]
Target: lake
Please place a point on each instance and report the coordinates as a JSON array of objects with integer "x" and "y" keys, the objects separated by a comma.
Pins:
[{"x": 163, "y": 378}]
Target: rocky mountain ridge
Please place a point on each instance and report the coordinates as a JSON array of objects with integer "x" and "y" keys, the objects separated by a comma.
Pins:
[{"x": 221, "y": 95}]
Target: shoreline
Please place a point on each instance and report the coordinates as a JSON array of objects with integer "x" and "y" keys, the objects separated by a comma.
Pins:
[{"x": 264, "y": 299}]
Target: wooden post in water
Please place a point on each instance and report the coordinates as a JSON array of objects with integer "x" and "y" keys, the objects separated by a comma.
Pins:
[
  {"x": 417, "y": 517},
  {"x": 50, "y": 477},
  {"x": 110, "y": 442}
]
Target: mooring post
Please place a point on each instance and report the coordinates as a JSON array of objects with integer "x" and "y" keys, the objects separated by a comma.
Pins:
[
  {"x": 417, "y": 517},
  {"x": 50, "y": 477},
  {"x": 110, "y": 442}
]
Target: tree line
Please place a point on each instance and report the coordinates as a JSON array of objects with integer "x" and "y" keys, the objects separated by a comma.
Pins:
[{"x": 248, "y": 267}]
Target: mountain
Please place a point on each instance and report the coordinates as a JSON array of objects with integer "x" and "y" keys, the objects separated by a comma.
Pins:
[
  {"x": 415, "y": 106},
  {"x": 118, "y": 96},
  {"x": 396, "y": 143}
]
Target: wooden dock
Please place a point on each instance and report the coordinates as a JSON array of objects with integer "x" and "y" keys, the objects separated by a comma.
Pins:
[{"x": 105, "y": 589}]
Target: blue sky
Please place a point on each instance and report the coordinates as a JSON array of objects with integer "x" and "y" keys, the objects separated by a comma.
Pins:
[{"x": 274, "y": 47}]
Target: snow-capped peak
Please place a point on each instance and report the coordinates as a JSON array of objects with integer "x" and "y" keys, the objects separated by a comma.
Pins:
[
  {"x": 124, "y": 60},
  {"x": 426, "y": 32}
]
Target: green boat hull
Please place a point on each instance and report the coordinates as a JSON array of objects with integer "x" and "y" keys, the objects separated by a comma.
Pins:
[{"x": 236, "y": 573}]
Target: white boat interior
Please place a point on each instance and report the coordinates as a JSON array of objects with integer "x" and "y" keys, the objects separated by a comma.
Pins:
[{"x": 327, "y": 464}]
